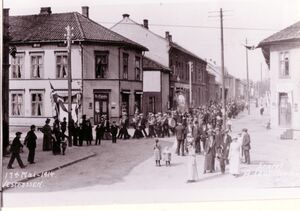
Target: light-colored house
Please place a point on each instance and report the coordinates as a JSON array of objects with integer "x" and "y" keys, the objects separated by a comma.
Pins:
[
  {"x": 282, "y": 52},
  {"x": 106, "y": 68},
  {"x": 173, "y": 56}
]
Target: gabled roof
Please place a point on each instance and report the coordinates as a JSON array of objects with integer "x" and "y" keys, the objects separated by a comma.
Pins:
[
  {"x": 291, "y": 33},
  {"x": 51, "y": 28},
  {"x": 175, "y": 45},
  {"x": 149, "y": 64},
  {"x": 171, "y": 43}
]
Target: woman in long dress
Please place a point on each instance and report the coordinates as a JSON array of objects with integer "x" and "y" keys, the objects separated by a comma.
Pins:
[
  {"x": 234, "y": 156},
  {"x": 209, "y": 153},
  {"x": 192, "y": 164},
  {"x": 157, "y": 152},
  {"x": 47, "y": 138}
]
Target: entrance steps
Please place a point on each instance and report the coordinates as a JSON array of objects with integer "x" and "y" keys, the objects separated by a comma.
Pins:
[{"x": 287, "y": 134}]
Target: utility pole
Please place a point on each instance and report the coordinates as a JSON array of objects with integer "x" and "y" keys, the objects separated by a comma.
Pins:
[
  {"x": 190, "y": 81},
  {"x": 248, "y": 87},
  {"x": 222, "y": 69},
  {"x": 69, "y": 42}
]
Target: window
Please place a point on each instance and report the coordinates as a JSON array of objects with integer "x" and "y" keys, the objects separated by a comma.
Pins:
[
  {"x": 125, "y": 66},
  {"x": 17, "y": 104},
  {"x": 61, "y": 66},
  {"x": 101, "y": 60},
  {"x": 284, "y": 64},
  {"x": 17, "y": 66},
  {"x": 152, "y": 105},
  {"x": 36, "y": 65},
  {"x": 138, "y": 72},
  {"x": 37, "y": 103}
]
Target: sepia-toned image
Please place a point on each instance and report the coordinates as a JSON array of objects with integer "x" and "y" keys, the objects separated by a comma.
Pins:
[{"x": 149, "y": 102}]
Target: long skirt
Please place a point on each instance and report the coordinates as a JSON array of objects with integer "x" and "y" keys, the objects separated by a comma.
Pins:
[
  {"x": 234, "y": 164},
  {"x": 192, "y": 168},
  {"x": 209, "y": 162},
  {"x": 47, "y": 142},
  {"x": 157, "y": 154}
]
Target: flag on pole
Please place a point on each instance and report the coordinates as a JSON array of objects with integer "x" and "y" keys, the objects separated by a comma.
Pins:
[
  {"x": 57, "y": 100},
  {"x": 250, "y": 47}
]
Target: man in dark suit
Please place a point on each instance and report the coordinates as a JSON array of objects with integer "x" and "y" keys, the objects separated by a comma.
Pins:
[
  {"x": 15, "y": 150},
  {"x": 246, "y": 145},
  {"x": 180, "y": 136},
  {"x": 143, "y": 124},
  {"x": 114, "y": 132},
  {"x": 227, "y": 141},
  {"x": 30, "y": 142}
]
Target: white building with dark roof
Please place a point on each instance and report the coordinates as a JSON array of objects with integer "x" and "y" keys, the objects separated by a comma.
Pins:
[
  {"x": 282, "y": 54},
  {"x": 107, "y": 75}
]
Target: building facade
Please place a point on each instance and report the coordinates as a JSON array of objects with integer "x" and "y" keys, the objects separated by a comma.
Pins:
[
  {"x": 169, "y": 54},
  {"x": 106, "y": 69},
  {"x": 282, "y": 53}
]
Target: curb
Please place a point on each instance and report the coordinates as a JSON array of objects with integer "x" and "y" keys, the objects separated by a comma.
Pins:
[{"x": 48, "y": 171}]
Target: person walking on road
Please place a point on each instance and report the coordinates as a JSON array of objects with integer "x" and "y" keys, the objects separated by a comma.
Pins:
[
  {"x": 114, "y": 132},
  {"x": 30, "y": 142},
  {"x": 157, "y": 152},
  {"x": 234, "y": 156},
  {"x": 180, "y": 136},
  {"x": 192, "y": 164},
  {"x": 47, "y": 137},
  {"x": 246, "y": 145},
  {"x": 209, "y": 153},
  {"x": 15, "y": 150}
]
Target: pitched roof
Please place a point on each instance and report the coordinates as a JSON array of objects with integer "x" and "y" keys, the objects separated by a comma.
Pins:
[
  {"x": 51, "y": 28},
  {"x": 291, "y": 33},
  {"x": 175, "y": 45},
  {"x": 149, "y": 64}
]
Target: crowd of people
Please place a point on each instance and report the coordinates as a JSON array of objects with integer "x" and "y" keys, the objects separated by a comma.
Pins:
[
  {"x": 196, "y": 130},
  {"x": 201, "y": 131}
]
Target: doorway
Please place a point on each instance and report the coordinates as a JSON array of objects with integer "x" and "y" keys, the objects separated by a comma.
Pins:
[
  {"x": 285, "y": 110},
  {"x": 101, "y": 101}
]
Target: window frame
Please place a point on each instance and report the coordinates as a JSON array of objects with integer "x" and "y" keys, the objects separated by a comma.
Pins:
[
  {"x": 106, "y": 64},
  {"x": 62, "y": 55},
  {"x": 284, "y": 63},
  {"x": 22, "y": 110},
  {"x": 21, "y": 65},
  {"x": 125, "y": 73},
  {"x": 137, "y": 69},
  {"x": 41, "y": 69},
  {"x": 42, "y": 92}
]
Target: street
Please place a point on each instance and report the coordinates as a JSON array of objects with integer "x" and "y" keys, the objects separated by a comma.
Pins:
[{"x": 127, "y": 168}]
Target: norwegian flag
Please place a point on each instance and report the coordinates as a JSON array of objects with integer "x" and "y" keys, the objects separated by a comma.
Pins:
[{"x": 57, "y": 101}]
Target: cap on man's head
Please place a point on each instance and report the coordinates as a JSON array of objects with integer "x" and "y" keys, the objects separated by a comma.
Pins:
[
  {"x": 32, "y": 126},
  {"x": 18, "y": 133},
  {"x": 245, "y": 129},
  {"x": 48, "y": 120}
]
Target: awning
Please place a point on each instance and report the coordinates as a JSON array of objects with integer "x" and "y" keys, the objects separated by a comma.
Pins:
[
  {"x": 125, "y": 92},
  {"x": 139, "y": 92}
]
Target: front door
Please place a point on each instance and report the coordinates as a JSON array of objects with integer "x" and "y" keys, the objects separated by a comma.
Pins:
[
  {"x": 100, "y": 106},
  {"x": 285, "y": 110}
]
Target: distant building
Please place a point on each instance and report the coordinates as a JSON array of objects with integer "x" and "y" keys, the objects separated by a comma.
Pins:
[
  {"x": 106, "y": 68},
  {"x": 282, "y": 52},
  {"x": 169, "y": 54}
]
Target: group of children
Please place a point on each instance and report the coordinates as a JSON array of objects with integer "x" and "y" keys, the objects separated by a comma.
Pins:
[{"x": 158, "y": 154}]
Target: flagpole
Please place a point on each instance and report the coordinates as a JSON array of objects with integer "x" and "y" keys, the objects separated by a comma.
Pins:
[
  {"x": 69, "y": 37},
  {"x": 248, "y": 88}
]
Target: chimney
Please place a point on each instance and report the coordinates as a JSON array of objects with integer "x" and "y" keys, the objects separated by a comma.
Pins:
[
  {"x": 85, "y": 11},
  {"x": 125, "y": 15},
  {"x": 45, "y": 11},
  {"x": 146, "y": 24},
  {"x": 167, "y": 35}
]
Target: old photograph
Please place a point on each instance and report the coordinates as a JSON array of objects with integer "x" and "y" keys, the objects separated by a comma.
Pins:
[{"x": 112, "y": 102}]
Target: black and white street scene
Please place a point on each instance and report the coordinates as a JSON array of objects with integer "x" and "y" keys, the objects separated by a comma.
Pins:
[{"x": 149, "y": 102}]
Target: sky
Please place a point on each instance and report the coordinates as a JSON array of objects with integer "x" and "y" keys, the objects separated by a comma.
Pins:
[{"x": 195, "y": 25}]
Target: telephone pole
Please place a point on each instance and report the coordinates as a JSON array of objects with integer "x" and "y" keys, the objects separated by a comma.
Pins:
[
  {"x": 248, "y": 87},
  {"x": 69, "y": 42},
  {"x": 190, "y": 82},
  {"x": 222, "y": 69}
]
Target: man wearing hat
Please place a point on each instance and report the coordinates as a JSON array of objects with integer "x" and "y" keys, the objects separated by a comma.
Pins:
[
  {"x": 30, "y": 142},
  {"x": 246, "y": 145},
  {"x": 15, "y": 149}
]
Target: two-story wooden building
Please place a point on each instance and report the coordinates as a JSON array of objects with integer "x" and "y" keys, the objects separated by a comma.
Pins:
[
  {"x": 167, "y": 53},
  {"x": 106, "y": 68},
  {"x": 282, "y": 54}
]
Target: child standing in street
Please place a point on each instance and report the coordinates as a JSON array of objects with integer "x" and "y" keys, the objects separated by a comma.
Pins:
[
  {"x": 157, "y": 152},
  {"x": 167, "y": 156},
  {"x": 114, "y": 132}
]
